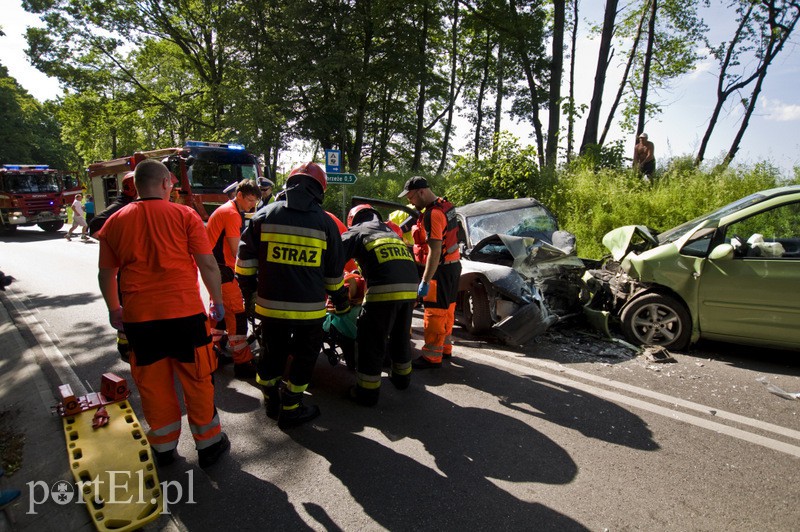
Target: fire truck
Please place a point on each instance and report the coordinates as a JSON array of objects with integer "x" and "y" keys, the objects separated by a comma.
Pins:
[
  {"x": 203, "y": 169},
  {"x": 30, "y": 195}
]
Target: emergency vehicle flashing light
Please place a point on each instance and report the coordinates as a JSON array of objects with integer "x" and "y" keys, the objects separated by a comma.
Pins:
[
  {"x": 200, "y": 143},
  {"x": 26, "y": 166}
]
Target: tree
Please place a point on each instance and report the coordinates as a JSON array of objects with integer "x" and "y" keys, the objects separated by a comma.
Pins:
[
  {"x": 556, "y": 70},
  {"x": 603, "y": 58},
  {"x": 763, "y": 27}
]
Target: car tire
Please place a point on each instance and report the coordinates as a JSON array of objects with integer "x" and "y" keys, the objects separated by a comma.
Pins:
[
  {"x": 656, "y": 319},
  {"x": 8, "y": 229},
  {"x": 477, "y": 316}
]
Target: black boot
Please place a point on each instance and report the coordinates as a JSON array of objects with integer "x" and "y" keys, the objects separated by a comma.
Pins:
[
  {"x": 210, "y": 455},
  {"x": 293, "y": 412},
  {"x": 363, "y": 396},
  {"x": 272, "y": 401},
  {"x": 401, "y": 382}
]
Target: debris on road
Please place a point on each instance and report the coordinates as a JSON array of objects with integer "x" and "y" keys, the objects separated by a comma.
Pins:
[
  {"x": 771, "y": 388},
  {"x": 656, "y": 353}
]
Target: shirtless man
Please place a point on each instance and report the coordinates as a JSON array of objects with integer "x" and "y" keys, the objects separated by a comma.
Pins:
[{"x": 644, "y": 158}]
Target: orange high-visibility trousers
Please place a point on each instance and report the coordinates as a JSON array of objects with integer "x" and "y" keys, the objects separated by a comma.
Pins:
[
  {"x": 160, "y": 399},
  {"x": 438, "y": 325},
  {"x": 236, "y": 322}
]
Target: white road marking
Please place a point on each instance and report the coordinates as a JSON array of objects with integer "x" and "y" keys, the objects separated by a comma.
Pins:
[{"x": 671, "y": 413}]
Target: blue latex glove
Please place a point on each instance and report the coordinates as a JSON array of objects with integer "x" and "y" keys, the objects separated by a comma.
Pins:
[
  {"x": 115, "y": 317},
  {"x": 423, "y": 288},
  {"x": 216, "y": 312}
]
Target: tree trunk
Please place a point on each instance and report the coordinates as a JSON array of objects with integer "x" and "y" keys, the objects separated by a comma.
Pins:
[
  {"x": 416, "y": 164},
  {"x": 487, "y": 54},
  {"x": 452, "y": 95},
  {"x": 556, "y": 71},
  {"x": 625, "y": 75},
  {"x": 593, "y": 117},
  {"x": 498, "y": 100},
  {"x": 651, "y": 36},
  {"x": 571, "y": 109},
  {"x": 361, "y": 107}
]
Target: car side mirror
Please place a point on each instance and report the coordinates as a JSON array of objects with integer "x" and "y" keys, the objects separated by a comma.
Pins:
[{"x": 721, "y": 252}]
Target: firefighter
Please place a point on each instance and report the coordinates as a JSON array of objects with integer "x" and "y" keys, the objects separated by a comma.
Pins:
[
  {"x": 385, "y": 319},
  {"x": 289, "y": 257},
  {"x": 127, "y": 195},
  {"x": 225, "y": 226},
  {"x": 157, "y": 247},
  {"x": 437, "y": 235}
]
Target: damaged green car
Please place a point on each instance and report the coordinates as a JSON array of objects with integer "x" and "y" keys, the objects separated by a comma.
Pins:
[{"x": 731, "y": 275}]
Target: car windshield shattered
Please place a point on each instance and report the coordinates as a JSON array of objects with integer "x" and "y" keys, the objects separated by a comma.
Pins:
[
  {"x": 675, "y": 233},
  {"x": 533, "y": 221}
]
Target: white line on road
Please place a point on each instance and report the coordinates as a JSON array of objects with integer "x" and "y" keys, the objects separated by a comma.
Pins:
[{"x": 671, "y": 413}]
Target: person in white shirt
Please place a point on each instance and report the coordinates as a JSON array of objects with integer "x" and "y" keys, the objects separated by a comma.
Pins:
[{"x": 78, "y": 219}]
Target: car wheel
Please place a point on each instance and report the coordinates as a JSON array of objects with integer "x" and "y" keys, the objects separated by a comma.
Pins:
[
  {"x": 655, "y": 319},
  {"x": 477, "y": 316}
]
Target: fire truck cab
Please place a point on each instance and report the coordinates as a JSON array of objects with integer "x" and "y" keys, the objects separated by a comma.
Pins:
[
  {"x": 203, "y": 169},
  {"x": 30, "y": 195}
]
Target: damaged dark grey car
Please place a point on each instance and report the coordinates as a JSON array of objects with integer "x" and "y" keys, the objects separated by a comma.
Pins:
[{"x": 520, "y": 274}]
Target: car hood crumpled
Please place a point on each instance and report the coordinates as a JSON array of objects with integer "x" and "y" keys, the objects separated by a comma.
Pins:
[{"x": 623, "y": 240}]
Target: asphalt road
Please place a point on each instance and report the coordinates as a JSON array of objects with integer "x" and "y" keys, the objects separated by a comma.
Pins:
[{"x": 568, "y": 433}]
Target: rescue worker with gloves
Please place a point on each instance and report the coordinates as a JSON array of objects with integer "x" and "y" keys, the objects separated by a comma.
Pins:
[
  {"x": 157, "y": 247},
  {"x": 385, "y": 320},
  {"x": 225, "y": 226},
  {"x": 438, "y": 229},
  {"x": 289, "y": 257}
]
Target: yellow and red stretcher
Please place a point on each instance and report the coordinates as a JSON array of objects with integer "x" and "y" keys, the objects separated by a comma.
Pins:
[{"x": 109, "y": 456}]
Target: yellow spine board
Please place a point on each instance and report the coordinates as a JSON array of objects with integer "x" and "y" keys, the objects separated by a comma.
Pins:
[{"x": 113, "y": 469}]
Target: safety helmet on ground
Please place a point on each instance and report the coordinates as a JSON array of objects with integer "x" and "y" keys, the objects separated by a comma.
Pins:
[
  {"x": 359, "y": 209},
  {"x": 128, "y": 186},
  {"x": 312, "y": 170}
]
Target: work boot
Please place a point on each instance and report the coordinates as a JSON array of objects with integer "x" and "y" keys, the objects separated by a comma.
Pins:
[
  {"x": 245, "y": 370},
  {"x": 272, "y": 401},
  {"x": 401, "y": 382},
  {"x": 293, "y": 412},
  {"x": 424, "y": 363},
  {"x": 210, "y": 455},
  {"x": 164, "y": 458},
  {"x": 68, "y": 237},
  {"x": 363, "y": 396}
]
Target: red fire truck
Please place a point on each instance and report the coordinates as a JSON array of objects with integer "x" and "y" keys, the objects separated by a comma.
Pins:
[
  {"x": 203, "y": 169},
  {"x": 30, "y": 195}
]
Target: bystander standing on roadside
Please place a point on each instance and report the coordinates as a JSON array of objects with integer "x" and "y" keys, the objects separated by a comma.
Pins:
[
  {"x": 644, "y": 156},
  {"x": 164, "y": 316},
  {"x": 89, "y": 208}
]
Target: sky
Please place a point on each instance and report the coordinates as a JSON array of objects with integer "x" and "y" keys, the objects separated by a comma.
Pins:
[{"x": 771, "y": 135}]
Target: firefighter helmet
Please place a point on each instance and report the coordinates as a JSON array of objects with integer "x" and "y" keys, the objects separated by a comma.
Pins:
[
  {"x": 358, "y": 209},
  {"x": 312, "y": 170},
  {"x": 128, "y": 186}
]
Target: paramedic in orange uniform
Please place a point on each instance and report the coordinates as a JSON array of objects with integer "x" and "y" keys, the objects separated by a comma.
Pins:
[
  {"x": 437, "y": 228},
  {"x": 158, "y": 246},
  {"x": 224, "y": 229}
]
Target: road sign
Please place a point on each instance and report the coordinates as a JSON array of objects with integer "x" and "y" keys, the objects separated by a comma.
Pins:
[
  {"x": 333, "y": 161},
  {"x": 341, "y": 179}
]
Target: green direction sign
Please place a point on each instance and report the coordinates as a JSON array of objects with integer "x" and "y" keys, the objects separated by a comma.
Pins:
[{"x": 341, "y": 179}]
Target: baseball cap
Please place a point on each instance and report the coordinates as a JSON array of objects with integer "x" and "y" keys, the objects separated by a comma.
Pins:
[
  {"x": 414, "y": 183},
  {"x": 643, "y": 136}
]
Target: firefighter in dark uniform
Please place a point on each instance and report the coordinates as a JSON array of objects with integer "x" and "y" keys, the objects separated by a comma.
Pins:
[
  {"x": 385, "y": 320},
  {"x": 437, "y": 230},
  {"x": 290, "y": 256}
]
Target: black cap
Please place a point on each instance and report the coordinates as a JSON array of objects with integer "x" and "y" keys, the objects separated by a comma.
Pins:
[{"x": 414, "y": 183}]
